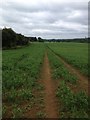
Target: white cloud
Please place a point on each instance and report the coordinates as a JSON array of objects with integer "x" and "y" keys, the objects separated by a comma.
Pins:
[
  {"x": 75, "y": 14},
  {"x": 46, "y": 18}
]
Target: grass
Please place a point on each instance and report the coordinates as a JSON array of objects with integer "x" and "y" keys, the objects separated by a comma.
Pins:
[
  {"x": 74, "y": 53},
  {"x": 40, "y": 114},
  {"x": 59, "y": 71},
  {"x": 17, "y": 112},
  {"x": 74, "y": 105},
  {"x": 21, "y": 68}
]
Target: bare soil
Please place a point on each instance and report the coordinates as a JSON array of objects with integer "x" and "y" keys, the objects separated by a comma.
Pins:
[{"x": 51, "y": 106}]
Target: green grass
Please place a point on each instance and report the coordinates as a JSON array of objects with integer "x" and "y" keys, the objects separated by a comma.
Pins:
[
  {"x": 74, "y": 53},
  {"x": 74, "y": 105},
  {"x": 17, "y": 112},
  {"x": 21, "y": 68},
  {"x": 40, "y": 114},
  {"x": 59, "y": 71}
]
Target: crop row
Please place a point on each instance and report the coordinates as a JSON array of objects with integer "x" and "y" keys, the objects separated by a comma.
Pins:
[
  {"x": 74, "y": 53},
  {"x": 72, "y": 105},
  {"x": 20, "y": 73},
  {"x": 59, "y": 70}
]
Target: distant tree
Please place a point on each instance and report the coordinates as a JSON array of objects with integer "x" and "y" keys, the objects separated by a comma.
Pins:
[
  {"x": 22, "y": 40},
  {"x": 33, "y": 39},
  {"x": 40, "y": 39},
  {"x": 12, "y": 39},
  {"x": 8, "y": 38},
  {"x": 19, "y": 39}
]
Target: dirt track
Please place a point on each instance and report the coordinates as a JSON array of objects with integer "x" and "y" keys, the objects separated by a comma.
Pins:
[{"x": 49, "y": 97}]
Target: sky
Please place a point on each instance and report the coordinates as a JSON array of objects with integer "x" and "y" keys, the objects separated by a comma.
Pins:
[{"x": 48, "y": 19}]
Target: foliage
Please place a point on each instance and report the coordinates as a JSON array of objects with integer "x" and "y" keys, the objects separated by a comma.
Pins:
[
  {"x": 11, "y": 39},
  {"x": 8, "y": 38},
  {"x": 75, "y": 105},
  {"x": 40, "y": 39}
]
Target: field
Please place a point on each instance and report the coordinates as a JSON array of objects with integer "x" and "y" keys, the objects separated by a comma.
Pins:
[
  {"x": 75, "y": 54},
  {"x": 46, "y": 80}
]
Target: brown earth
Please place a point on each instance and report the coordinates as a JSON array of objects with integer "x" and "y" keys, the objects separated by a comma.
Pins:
[{"x": 51, "y": 107}]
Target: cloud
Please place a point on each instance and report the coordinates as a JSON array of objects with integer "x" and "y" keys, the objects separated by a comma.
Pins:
[{"x": 46, "y": 18}]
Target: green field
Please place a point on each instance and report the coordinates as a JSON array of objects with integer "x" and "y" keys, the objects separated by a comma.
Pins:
[
  {"x": 23, "y": 91},
  {"x": 74, "y": 53},
  {"x": 21, "y": 69}
]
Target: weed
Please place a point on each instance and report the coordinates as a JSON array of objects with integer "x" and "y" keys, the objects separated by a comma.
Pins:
[
  {"x": 74, "y": 105},
  {"x": 40, "y": 114},
  {"x": 17, "y": 112}
]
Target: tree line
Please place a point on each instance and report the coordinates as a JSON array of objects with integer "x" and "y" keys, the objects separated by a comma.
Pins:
[
  {"x": 79, "y": 40},
  {"x": 11, "y": 39}
]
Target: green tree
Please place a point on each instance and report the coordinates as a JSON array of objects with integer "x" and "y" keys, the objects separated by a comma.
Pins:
[{"x": 8, "y": 38}]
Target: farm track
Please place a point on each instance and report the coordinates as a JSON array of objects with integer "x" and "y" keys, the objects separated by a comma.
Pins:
[
  {"x": 82, "y": 80},
  {"x": 50, "y": 100}
]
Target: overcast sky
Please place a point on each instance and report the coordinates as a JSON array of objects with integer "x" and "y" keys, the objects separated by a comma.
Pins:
[{"x": 46, "y": 18}]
